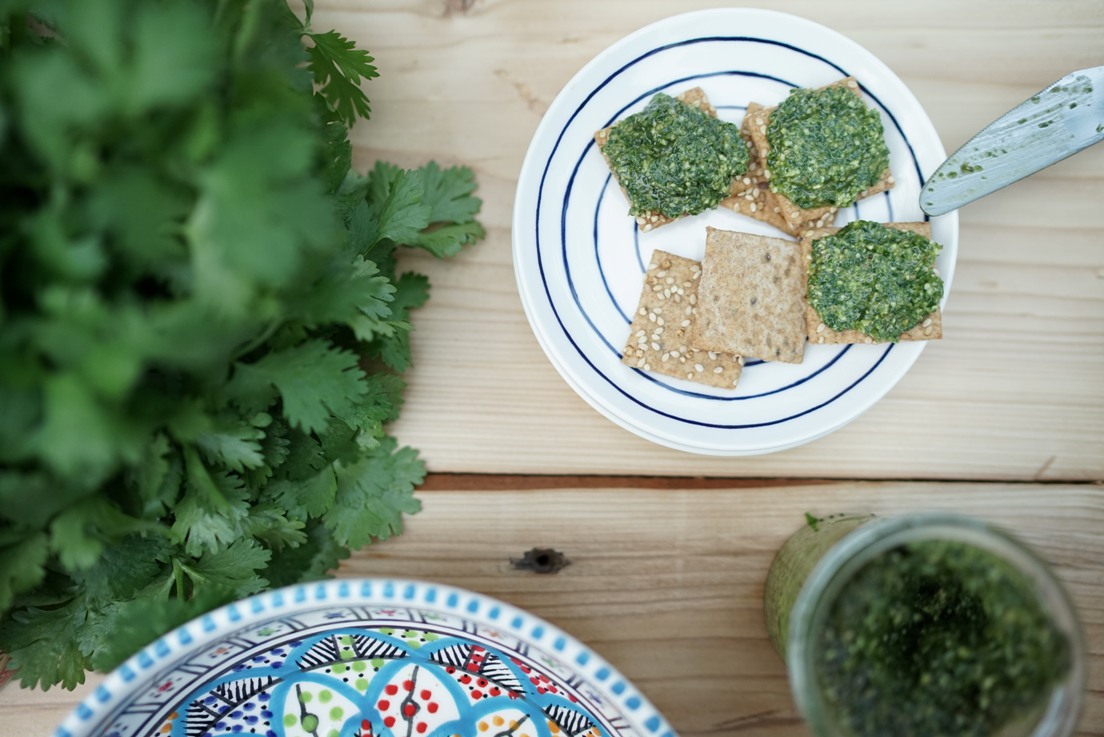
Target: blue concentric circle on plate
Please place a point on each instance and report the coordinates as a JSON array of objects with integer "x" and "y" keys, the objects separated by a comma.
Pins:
[{"x": 579, "y": 258}]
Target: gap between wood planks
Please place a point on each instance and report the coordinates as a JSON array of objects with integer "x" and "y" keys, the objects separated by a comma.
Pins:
[{"x": 516, "y": 482}]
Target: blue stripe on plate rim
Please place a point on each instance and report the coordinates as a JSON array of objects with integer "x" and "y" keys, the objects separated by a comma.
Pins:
[
  {"x": 541, "y": 266},
  {"x": 96, "y": 711}
]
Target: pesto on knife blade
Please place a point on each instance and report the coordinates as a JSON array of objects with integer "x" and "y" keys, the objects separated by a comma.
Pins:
[
  {"x": 938, "y": 637},
  {"x": 674, "y": 159},
  {"x": 874, "y": 279},
  {"x": 826, "y": 147}
]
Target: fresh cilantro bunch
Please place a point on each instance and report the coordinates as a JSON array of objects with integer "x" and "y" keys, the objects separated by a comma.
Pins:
[{"x": 202, "y": 324}]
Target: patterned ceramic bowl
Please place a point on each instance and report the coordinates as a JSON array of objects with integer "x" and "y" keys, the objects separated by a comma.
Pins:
[{"x": 366, "y": 657}]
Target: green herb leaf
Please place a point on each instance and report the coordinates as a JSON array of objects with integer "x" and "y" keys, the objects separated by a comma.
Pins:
[
  {"x": 22, "y": 563},
  {"x": 311, "y": 496},
  {"x": 79, "y": 534},
  {"x": 338, "y": 68},
  {"x": 313, "y": 379},
  {"x": 395, "y": 209},
  {"x": 44, "y": 645},
  {"x": 374, "y": 493},
  {"x": 234, "y": 567},
  {"x": 356, "y": 296},
  {"x": 394, "y": 349}
]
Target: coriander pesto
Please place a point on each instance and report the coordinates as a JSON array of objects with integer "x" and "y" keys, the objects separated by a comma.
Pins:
[
  {"x": 674, "y": 159},
  {"x": 939, "y": 637},
  {"x": 874, "y": 279},
  {"x": 825, "y": 147}
]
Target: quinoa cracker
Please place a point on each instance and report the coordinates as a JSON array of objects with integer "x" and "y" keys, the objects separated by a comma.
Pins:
[
  {"x": 694, "y": 97},
  {"x": 659, "y": 335},
  {"x": 751, "y": 301},
  {"x": 772, "y": 207},
  {"x": 930, "y": 328}
]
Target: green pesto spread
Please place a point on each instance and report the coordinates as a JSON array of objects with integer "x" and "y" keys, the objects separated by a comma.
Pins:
[
  {"x": 938, "y": 638},
  {"x": 874, "y": 279},
  {"x": 674, "y": 159},
  {"x": 825, "y": 147}
]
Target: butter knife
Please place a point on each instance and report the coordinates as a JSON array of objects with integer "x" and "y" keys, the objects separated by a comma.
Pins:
[{"x": 1049, "y": 126}]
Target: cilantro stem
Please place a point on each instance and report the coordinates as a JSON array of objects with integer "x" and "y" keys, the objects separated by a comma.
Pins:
[
  {"x": 243, "y": 41},
  {"x": 258, "y": 341},
  {"x": 178, "y": 577}
]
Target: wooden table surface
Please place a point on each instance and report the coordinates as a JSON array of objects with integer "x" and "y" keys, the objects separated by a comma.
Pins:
[{"x": 1003, "y": 418}]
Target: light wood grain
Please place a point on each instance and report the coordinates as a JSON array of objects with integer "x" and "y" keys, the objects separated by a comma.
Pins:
[
  {"x": 667, "y": 583},
  {"x": 665, "y": 579},
  {"x": 1012, "y": 392}
]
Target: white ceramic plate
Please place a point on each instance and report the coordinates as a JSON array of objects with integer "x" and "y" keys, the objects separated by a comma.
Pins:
[{"x": 579, "y": 258}]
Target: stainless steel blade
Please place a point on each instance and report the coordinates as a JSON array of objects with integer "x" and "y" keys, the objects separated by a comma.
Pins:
[{"x": 1059, "y": 121}]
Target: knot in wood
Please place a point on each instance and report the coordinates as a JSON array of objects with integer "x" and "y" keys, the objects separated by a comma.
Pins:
[{"x": 541, "y": 560}]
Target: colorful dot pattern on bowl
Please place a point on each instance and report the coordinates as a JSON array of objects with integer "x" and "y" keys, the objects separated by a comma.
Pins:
[{"x": 331, "y": 670}]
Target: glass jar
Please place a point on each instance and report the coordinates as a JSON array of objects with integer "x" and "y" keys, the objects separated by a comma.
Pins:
[{"x": 923, "y": 624}]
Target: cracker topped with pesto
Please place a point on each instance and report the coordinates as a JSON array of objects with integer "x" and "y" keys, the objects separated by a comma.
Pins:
[
  {"x": 826, "y": 147},
  {"x": 674, "y": 158},
  {"x": 819, "y": 150},
  {"x": 871, "y": 283}
]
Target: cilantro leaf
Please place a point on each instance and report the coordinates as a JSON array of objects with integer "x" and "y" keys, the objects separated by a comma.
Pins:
[
  {"x": 212, "y": 512},
  {"x": 80, "y": 534},
  {"x": 273, "y": 527},
  {"x": 394, "y": 350},
  {"x": 395, "y": 209},
  {"x": 235, "y": 446},
  {"x": 378, "y": 405},
  {"x": 374, "y": 493},
  {"x": 173, "y": 57},
  {"x": 44, "y": 644},
  {"x": 312, "y": 560},
  {"x": 430, "y": 207},
  {"x": 22, "y": 563},
  {"x": 338, "y": 68},
  {"x": 235, "y": 567},
  {"x": 447, "y": 240},
  {"x": 313, "y": 379},
  {"x": 357, "y": 296},
  {"x": 127, "y": 567},
  {"x": 310, "y": 497},
  {"x": 254, "y": 214},
  {"x": 448, "y": 192},
  {"x": 79, "y": 435},
  {"x": 155, "y": 481}
]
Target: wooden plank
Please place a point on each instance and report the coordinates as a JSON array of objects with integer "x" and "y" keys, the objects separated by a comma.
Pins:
[
  {"x": 1012, "y": 392},
  {"x": 667, "y": 583}
]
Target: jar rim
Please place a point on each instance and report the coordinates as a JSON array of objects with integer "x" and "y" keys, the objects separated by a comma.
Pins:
[{"x": 881, "y": 534}]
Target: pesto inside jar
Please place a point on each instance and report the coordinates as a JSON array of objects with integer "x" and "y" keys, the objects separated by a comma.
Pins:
[
  {"x": 875, "y": 279},
  {"x": 938, "y": 637},
  {"x": 826, "y": 147},
  {"x": 673, "y": 158}
]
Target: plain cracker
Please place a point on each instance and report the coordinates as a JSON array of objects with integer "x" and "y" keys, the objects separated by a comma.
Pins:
[
  {"x": 751, "y": 300},
  {"x": 930, "y": 328},
  {"x": 658, "y": 337}
]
